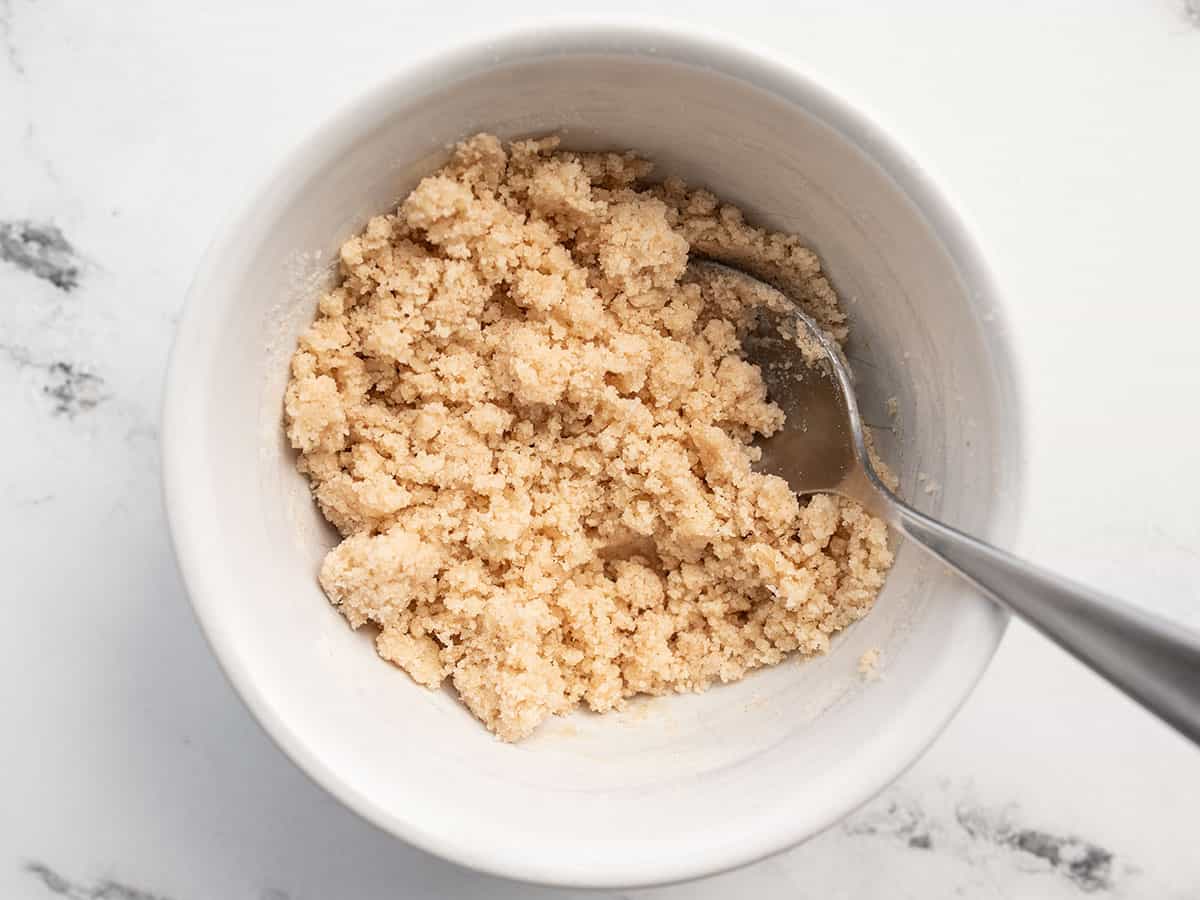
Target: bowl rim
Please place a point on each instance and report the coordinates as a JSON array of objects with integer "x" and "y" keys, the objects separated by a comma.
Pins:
[{"x": 645, "y": 37}]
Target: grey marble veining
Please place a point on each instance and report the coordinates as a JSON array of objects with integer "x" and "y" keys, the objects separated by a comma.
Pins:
[
  {"x": 985, "y": 836},
  {"x": 60, "y": 886},
  {"x": 994, "y": 842},
  {"x": 11, "y": 54},
  {"x": 42, "y": 250},
  {"x": 69, "y": 390}
]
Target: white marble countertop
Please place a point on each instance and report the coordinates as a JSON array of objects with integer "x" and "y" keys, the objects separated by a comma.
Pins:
[{"x": 130, "y": 771}]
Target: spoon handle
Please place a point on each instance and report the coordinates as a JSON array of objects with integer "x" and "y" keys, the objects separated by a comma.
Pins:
[{"x": 1154, "y": 661}]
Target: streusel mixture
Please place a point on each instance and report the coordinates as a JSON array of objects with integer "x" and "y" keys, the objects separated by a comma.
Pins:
[{"x": 533, "y": 431}]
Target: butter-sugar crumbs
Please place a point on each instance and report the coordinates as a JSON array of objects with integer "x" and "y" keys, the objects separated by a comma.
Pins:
[{"x": 534, "y": 435}]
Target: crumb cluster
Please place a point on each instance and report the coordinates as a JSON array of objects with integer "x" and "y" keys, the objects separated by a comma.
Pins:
[{"x": 533, "y": 431}]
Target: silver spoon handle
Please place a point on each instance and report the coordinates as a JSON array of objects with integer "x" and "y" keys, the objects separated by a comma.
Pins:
[{"x": 1154, "y": 661}]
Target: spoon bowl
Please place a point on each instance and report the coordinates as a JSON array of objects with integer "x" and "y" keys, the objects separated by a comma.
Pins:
[{"x": 823, "y": 446}]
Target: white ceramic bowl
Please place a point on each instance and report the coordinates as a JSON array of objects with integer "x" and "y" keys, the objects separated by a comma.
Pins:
[{"x": 675, "y": 787}]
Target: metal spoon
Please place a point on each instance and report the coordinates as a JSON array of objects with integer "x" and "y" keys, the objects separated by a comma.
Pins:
[{"x": 822, "y": 449}]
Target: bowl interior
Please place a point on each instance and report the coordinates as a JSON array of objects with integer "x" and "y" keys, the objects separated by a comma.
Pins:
[{"x": 672, "y": 787}]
